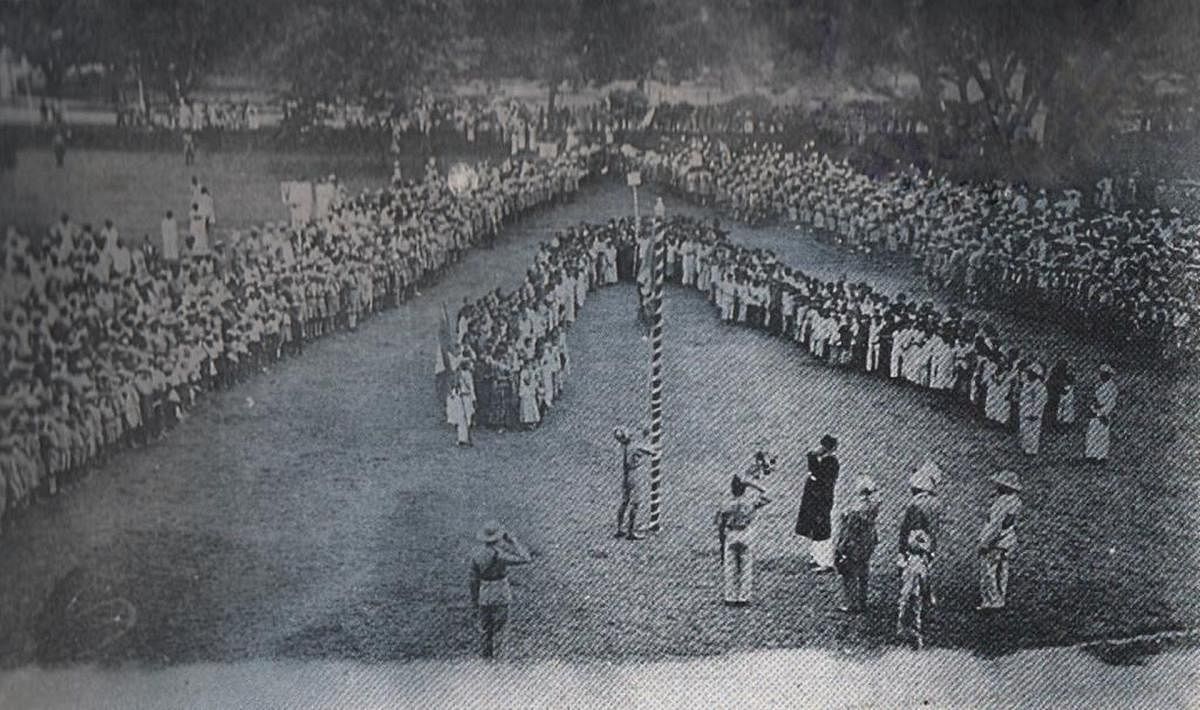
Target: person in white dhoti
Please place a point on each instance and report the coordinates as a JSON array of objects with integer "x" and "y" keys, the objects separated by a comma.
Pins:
[
  {"x": 528, "y": 394},
  {"x": 999, "y": 378},
  {"x": 460, "y": 410},
  {"x": 610, "y": 263},
  {"x": 208, "y": 209},
  {"x": 1032, "y": 408},
  {"x": 198, "y": 230},
  {"x": 1104, "y": 401},
  {"x": 170, "y": 238}
]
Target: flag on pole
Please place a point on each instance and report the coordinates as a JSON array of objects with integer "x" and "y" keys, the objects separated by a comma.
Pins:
[
  {"x": 648, "y": 118},
  {"x": 447, "y": 334},
  {"x": 443, "y": 373}
]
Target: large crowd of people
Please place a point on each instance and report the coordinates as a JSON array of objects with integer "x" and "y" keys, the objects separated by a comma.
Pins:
[
  {"x": 857, "y": 327},
  {"x": 105, "y": 345},
  {"x": 511, "y": 358},
  {"x": 512, "y": 355},
  {"x": 1131, "y": 275}
]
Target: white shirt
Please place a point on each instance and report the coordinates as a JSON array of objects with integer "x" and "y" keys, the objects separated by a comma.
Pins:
[
  {"x": 207, "y": 208},
  {"x": 170, "y": 239},
  {"x": 198, "y": 228},
  {"x": 122, "y": 261}
]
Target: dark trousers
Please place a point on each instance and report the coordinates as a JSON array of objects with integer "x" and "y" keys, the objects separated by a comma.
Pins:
[
  {"x": 492, "y": 619},
  {"x": 627, "y": 512},
  {"x": 854, "y": 588}
]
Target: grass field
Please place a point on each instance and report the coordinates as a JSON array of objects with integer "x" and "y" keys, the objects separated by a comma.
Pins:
[
  {"x": 322, "y": 510},
  {"x": 136, "y": 188}
]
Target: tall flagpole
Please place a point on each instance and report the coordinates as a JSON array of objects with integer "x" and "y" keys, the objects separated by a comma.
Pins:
[{"x": 658, "y": 252}]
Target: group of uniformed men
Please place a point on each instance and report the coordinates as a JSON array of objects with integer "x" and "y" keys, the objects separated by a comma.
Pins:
[{"x": 857, "y": 536}]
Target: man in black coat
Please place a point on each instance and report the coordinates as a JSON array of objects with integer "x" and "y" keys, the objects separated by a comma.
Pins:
[{"x": 816, "y": 504}]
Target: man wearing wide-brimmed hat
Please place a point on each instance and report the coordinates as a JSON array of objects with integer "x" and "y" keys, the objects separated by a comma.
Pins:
[
  {"x": 997, "y": 541},
  {"x": 857, "y": 537},
  {"x": 490, "y": 591}
]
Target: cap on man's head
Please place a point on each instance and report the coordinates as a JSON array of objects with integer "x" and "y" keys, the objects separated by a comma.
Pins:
[
  {"x": 926, "y": 477},
  {"x": 490, "y": 532},
  {"x": 829, "y": 441}
]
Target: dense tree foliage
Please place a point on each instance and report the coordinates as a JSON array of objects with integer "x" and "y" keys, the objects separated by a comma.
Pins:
[
  {"x": 169, "y": 45},
  {"x": 993, "y": 72}
]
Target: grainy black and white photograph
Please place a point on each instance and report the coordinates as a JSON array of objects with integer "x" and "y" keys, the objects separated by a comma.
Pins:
[{"x": 599, "y": 353}]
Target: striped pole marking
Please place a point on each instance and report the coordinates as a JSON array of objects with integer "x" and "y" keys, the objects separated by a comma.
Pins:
[{"x": 659, "y": 251}]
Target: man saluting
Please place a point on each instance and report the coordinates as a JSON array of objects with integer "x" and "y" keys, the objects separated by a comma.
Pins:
[
  {"x": 816, "y": 504},
  {"x": 490, "y": 591},
  {"x": 633, "y": 456}
]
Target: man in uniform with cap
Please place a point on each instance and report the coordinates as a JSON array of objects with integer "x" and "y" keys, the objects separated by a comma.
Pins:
[
  {"x": 857, "y": 537},
  {"x": 490, "y": 591},
  {"x": 1104, "y": 401},
  {"x": 997, "y": 540},
  {"x": 1032, "y": 407},
  {"x": 816, "y": 504}
]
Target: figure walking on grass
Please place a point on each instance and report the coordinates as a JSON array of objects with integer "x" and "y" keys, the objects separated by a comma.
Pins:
[
  {"x": 59, "y": 145},
  {"x": 1100, "y": 411}
]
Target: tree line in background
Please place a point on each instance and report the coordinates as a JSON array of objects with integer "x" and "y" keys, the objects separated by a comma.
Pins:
[{"x": 988, "y": 72}]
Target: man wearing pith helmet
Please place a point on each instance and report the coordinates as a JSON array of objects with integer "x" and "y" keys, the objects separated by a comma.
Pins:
[
  {"x": 997, "y": 541},
  {"x": 490, "y": 591}
]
